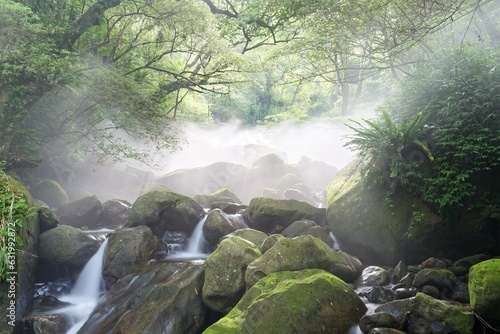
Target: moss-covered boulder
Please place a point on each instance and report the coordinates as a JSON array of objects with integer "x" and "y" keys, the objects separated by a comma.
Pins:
[
  {"x": 269, "y": 215},
  {"x": 484, "y": 290},
  {"x": 219, "y": 196},
  {"x": 219, "y": 224},
  {"x": 303, "y": 252},
  {"x": 47, "y": 218},
  {"x": 165, "y": 211},
  {"x": 83, "y": 212},
  {"x": 307, "y": 227},
  {"x": 429, "y": 315},
  {"x": 22, "y": 281},
  {"x": 225, "y": 269},
  {"x": 382, "y": 233},
  {"x": 307, "y": 301},
  {"x": 50, "y": 192},
  {"x": 67, "y": 245},
  {"x": 163, "y": 298},
  {"x": 128, "y": 249},
  {"x": 249, "y": 234}
]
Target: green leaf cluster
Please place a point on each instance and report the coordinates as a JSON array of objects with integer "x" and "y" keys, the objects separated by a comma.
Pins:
[{"x": 459, "y": 95}]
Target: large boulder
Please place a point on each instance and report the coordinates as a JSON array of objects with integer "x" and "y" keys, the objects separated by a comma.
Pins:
[
  {"x": 484, "y": 290},
  {"x": 219, "y": 224},
  {"x": 220, "y": 196},
  {"x": 165, "y": 211},
  {"x": 20, "y": 271},
  {"x": 46, "y": 218},
  {"x": 82, "y": 212},
  {"x": 303, "y": 252},
  {"x": 307, "y": 227},
  {"x": 128, "y": 249},
  {"x": 380, "y": 232},
  {"x": 429, "y": 315},
  {"x": 50, "y": 192},
  {"x": 205, "y": 180},
  {"x": 115, "y": 212},
  {"x": 163, "y": 298},
  {"x": 307, "y": 301},
  {"x": 268, "y": 215},
  {"x": 225, "y": 273},
  {"x": 67, "y": 245}
]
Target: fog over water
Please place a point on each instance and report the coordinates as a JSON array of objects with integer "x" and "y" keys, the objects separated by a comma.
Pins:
[{"x": 316, "y": 140}]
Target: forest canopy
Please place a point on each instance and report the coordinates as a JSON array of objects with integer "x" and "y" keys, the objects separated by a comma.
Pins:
[{"x": 82, "y": 77}]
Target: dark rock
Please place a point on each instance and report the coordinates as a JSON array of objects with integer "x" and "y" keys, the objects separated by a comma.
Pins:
[
  {"x": 440, "y": 278},
  {"x": 128, "y": 249},
  {"x": 115, "y": 212},
  {"x": 469, "y": 261},
  {"x": 307, "y": 227},
  {"x": 229, "y": 208},
  {"x": 434, "y": 263},
  {"x": 396, "y": 308},
  {"x": 67, "y": 245},
  {"x": 165, "y": 210},
  {"x": 400, "y": 271},
  {"x": 265, "y": 213},
  {"x": 431, "y": 290},
  {"x": 45, "y": 323},
  {"x": 379, "y": 319},
  {"x": 378, "y": 294},
  {"x": 163, "y": 298},
  {"x": 46, "y": 218},
  {"x": 379, "y": 330},
  {"x": 52, "y": 302},
  {"x": 82, "y": 212},
  {"x": 219, "y": 224}
]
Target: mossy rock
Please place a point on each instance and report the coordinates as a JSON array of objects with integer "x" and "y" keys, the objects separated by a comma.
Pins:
[
  {"x": 430, "y": 315},
  {"x": 51, "y": 193},
  {"x": 86, "y": 211},
  {"x": 266, "y": 214},
  {"x": 307, "y": 301},
  {"x": 165, "y": 210},
  {"x": 484, "y": 290},
  {"x": 225, "y": 273},
  {"x": 303, "y": 252},
  {"x": 27, "y": 253}
]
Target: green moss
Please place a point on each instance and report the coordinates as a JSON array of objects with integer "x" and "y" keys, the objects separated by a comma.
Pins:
[
  {"x": 306, "y": 301},
  {"x": 484, "y": 290},
  {"x": 51, "y": 193}
]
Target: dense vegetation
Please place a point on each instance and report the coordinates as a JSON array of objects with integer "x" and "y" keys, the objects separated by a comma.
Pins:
[
  {"x": 102, "y": 76},
  {"x": 443, "y": 141}
]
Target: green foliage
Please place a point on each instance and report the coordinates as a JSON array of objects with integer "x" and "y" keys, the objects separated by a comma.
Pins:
[
  {"x": 460, "y": 94},
  {"x": 14, "y": 211},
  {"x": 393, "y": 150}
]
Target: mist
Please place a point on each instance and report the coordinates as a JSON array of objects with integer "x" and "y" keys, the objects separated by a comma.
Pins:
[{"x": 226, "y": 142}]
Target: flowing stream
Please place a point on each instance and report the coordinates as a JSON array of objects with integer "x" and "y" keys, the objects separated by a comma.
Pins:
[
  {"x": 86, "y": 291},
  {"x": 196, "y": 245}
]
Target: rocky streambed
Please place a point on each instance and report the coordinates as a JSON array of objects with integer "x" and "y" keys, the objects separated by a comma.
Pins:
[{"x": 272, "y": 266}]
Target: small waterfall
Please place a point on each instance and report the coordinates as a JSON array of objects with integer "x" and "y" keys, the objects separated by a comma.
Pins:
[
  {"x": 85, "y": 293},
  {"x": 336, "y": 244},
  {"x": 196, "y": 245}
]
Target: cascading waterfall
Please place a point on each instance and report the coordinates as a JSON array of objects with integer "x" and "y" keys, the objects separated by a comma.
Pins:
[
  {"x": 86, "y": 291},
  {"x": 196, "y": 245}
]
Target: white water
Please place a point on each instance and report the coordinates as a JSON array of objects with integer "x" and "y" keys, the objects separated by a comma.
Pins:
[
  {"x": 85, "y": 293},
  {"x": 336, "y": 244},
  {"x": 196, "y": 244}
]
